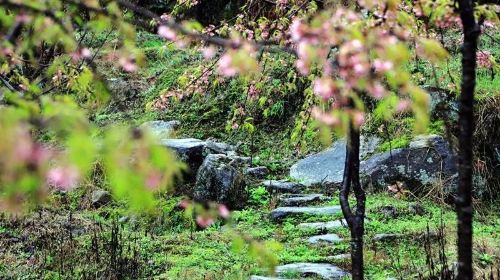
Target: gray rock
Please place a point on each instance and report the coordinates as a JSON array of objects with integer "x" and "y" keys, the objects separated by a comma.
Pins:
[
  {"x": 240, "y": 160},
  {"x": 283, "y": 186},
  {"x": 301, "y": 199},
  {"x": 326, "y": 238},
  {"x": 258, "y": 172},
  {"x": 389, "y": 211},
  {"x": 321, "y": 270},
  {"x": 220, "y": 180},
  {"x": 386, "y": 237},
  {"x": 327, "y": 167},
  {"x": 161, "y": 129},
  {"x": 427, "y": 161},
  {"x": 213, "y": 147},
  {"x": 100, "y": 198},
  {"x": 284, "y": 212},
  {"x": 189, "y": 150},
  {"x": 324, "y": 225},
  {"x": 443, "y": 104},
  {"x": 416, "y": 209},
  {"x": 123, "y": 219}
]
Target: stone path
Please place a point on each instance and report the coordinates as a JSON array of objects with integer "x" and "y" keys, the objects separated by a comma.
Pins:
[{"x": 294, "y": 202}]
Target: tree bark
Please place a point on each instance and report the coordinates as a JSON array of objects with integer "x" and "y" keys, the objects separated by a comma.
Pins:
[
  {"x": 355, "y": 220},
  {"x": 466, "y": 122}
]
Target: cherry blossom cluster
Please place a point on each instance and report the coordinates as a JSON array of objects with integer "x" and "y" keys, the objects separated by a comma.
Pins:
[
  {"x": 26, "y": 162},
  {"x": 485, "y": 59},
  {"x": 205, "y": 217},
  {"x": 353, "y": 56}
]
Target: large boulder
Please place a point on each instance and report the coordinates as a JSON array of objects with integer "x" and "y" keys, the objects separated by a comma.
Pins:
[
  {"x": 220, "y": 179},
  {"x": 190, "y": 151},
  {"x": 428, "y": 160},
  {"x": 327, "y": 167}
]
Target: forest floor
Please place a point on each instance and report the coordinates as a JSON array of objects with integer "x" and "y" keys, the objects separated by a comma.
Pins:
[{"x": 68, "y": 238}]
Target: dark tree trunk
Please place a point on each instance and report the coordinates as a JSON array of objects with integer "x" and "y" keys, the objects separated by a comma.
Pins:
[
  {"x": 355, "y": 219},
  {"x": 466, "y": 123}
]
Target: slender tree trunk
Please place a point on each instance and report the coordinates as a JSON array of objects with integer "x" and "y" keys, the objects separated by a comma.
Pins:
[
  {"x": 355, "y": 219},
  {"x": 466, "y": 122}
]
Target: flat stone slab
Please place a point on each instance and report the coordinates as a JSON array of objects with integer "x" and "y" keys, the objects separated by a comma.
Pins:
[
  {"x": 340, "y": 257},
  {"x": 284, "y": 212},
  {"x": 321, "y": 270},
  {"x": 183, "y": 143},
  {"x": 325, "y": 238},
  {"x": 324, "y": 225},
  {"x": 327, "y": 167},
  {"x": 302, "y": 199},
  {"x": 387, "y": 236},
  {"x": 282, "y": 186}
]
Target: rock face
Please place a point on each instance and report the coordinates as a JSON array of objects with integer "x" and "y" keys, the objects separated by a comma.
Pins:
[
  {"x": 100, "y": 198},
  {"x": 326, "y": 238},
  {"x": 161, "y": 129},
  {"x": 327, "y": 167},
  {"x": 301, "y": 199},
  {"x": 318, "y": 270},
  {"x": 426, "y": 161},
  {"x": 284, "y": 212},
  {"x": 219, "y": 179},
  {"x": 282, "y": 186},
  {"x": 189, "y": 150}
]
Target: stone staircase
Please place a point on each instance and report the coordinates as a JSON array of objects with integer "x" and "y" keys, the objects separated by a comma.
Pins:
[{"x": 295, "y": 201}]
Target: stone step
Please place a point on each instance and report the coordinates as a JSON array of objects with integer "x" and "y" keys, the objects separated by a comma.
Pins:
[
  {"x": 325, "y": 238},
  {"x": 301, "y": 199},
  {"x": 320, "y": 270},
  {"x": 284, "y": 212},
  {"x": 339, "y": 257},
  {"x": 282, "y": 186},
  {"x": 324, "y": 225}
]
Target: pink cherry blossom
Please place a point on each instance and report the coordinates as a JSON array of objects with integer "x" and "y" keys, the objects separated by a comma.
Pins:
[
  {"x": 225, "y": 66},
  {"x": 324, "y": 87},
  {"x": 382, "y": 65},
  {"x": 325, "y": 117},
  {"x": 208, "y": 52},
  {"x": 297, "y": 29},
  {"x": 153, "y": 181},
  {"x": 484, "y": 59},
  {"x": 128, "y": 65},
  {"x": 403, "y": 105},
  {"x": 223, "y": 211},
  {"x": 63, "y": 177},
  {"x": 167, "y": 33},
  {"x": 184, "y": 203},
  {"x": 204, "y": 221},
  {"x": 358, "y": 118}
]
